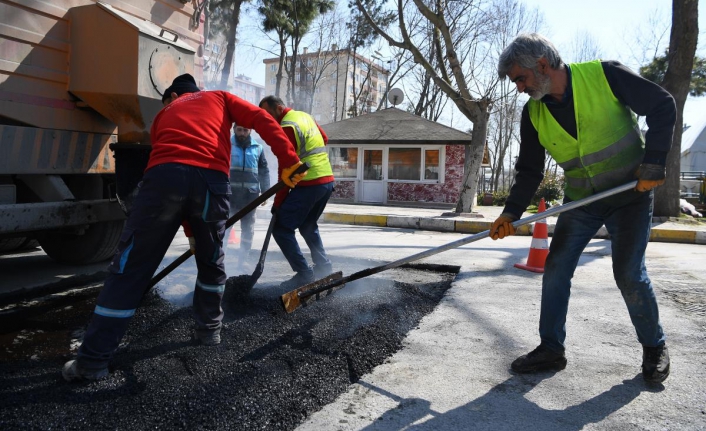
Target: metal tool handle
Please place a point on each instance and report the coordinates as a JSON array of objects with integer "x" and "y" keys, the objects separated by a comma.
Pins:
[
  {"x": 466, "y": 240},
  {"x": 230, "y": 222}
]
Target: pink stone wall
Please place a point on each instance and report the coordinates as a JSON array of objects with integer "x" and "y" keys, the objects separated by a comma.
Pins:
[
  {"x": 444, "y": 193},
  {"x": 344, "y": 190}
]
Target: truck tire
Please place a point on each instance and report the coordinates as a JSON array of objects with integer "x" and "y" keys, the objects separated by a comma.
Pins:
[
  {"x": 98, "y": 243},
  {"x": 11, "y": 244}
]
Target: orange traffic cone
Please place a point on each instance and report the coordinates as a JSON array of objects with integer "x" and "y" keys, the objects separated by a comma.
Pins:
[
  {"x": 233, "y": 237},
  {"x": 540, "y": 245}
]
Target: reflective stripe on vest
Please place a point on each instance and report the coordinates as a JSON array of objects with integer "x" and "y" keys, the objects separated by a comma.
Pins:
[
  {"x": 609, "y": 145},
  {"x": 310, "y": 144}
]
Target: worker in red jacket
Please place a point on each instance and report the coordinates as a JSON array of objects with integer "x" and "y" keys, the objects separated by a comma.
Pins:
[{"x": 186, "y": 180}]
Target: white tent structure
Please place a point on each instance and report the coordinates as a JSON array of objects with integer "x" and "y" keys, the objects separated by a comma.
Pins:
[
  {"x": 693, "y": 148},
  {"x": 693, "y": 161}
]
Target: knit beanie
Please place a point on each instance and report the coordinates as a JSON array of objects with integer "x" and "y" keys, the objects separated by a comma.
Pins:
[{"x": 182, "y": 84}]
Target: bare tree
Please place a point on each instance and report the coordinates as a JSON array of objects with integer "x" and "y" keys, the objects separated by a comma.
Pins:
[
  {"x": 649, "y": 39},
  {"x": 431, "y": 100},
  {"x": 362, "y": 34},
  {"x": 464, "y": 65},
  {"x": 682, "y": 49},
  {"x": 224, "y": 16},
  {"x": 584, "y": 47},
  {"x": 399, "y": 65},
  {"x": 504, "y": 132},
  {"x": 513, "y": 18},
  {"x": 213, "y": 67},
  {"x": 327, "y": 33}
]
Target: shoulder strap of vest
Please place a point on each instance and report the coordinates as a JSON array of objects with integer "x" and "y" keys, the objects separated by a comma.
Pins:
[{"x": 301, "y": 151}]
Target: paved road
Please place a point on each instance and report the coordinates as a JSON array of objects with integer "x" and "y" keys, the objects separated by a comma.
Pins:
[{"x": 453, "y": 371}]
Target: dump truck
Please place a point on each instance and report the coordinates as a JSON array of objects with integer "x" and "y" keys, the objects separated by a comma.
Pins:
[{"x": 80, "y": 84}]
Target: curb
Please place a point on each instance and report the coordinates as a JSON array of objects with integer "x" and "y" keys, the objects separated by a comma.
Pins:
[{"x": 445, "y": 224}]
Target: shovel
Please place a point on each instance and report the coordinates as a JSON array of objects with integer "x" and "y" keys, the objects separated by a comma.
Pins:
[
  {"x": 231, "y": 221},
  {"x": 297, "y": 297},
  {"x": 251, "y": 280}
]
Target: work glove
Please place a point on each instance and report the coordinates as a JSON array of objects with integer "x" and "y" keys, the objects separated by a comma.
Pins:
[
  {"x": 502, "y": 226},
  {"x": 650, "y": 176},
  {"x": 192, "y": 244},
  {"x": 287, "y": 173}
]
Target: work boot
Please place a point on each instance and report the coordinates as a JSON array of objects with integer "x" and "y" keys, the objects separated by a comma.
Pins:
[
  {"x": 655, "y": 363},
  {"x": 321, "y": 271},
  {"x": 73, "y": 372},
  {"x": 208, "y": 337},
  {"x": 539, "y": 359},
  {"x": 300, "y": 279}
]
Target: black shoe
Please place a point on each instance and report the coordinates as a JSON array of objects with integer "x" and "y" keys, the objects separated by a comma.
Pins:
[
  {"x": 655, "y": 363},
  {"x": 300, "y": 279},
  {"x": 208, "y": 337},
  {"x": 73, "y": 372},
  {"x": 539, "y": 359}
]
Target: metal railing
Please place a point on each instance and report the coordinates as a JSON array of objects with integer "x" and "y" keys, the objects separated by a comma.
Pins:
[{"x": 692, "y": 185}]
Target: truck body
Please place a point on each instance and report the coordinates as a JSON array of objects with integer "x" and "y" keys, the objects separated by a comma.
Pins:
[{"x": 80, "y": 84}]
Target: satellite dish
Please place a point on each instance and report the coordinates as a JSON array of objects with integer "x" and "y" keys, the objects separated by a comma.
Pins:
[{"x": 395, "y": 96}]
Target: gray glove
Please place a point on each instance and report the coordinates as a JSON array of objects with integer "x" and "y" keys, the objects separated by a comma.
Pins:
[{"x": 651, "y": 172}]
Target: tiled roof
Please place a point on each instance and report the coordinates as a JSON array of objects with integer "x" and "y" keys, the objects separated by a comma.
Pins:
[{"x": 392, "y": 126}]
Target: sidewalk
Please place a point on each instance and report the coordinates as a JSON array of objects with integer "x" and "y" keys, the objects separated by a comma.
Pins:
[{"x": 438, "y": 219}]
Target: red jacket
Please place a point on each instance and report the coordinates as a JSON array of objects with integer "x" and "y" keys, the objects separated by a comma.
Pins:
[{"x": 195, "y": 130}]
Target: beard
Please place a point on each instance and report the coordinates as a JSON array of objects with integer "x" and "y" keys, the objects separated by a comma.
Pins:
[{"x": 543, "y": 86}]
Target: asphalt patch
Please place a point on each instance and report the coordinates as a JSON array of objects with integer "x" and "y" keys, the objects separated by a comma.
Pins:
[{"x": 271, "y": 370}]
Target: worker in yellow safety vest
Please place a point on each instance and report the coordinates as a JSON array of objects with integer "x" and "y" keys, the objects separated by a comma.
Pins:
[
  {"x": 304, "y": 204},
  {"x": 583, "y": 115}
]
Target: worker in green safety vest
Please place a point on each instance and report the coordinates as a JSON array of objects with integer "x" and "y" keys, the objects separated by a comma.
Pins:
[
  {"x": 300, "y": 208},
  {"x": 583, "y": 115}
]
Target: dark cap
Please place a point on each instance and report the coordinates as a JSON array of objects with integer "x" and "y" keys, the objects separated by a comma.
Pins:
[{"x": 182, "y": 84}]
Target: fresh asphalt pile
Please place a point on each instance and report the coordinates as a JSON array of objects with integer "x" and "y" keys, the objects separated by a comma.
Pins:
[{"x": 271, "y": 370}]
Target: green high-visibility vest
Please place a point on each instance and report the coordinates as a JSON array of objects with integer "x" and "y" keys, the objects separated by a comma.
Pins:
[
  {"x": 608, "y": 147},
  {"x": 310, "y": 144}
]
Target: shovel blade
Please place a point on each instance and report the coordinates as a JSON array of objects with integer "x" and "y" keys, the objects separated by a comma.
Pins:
[{"x": 292, "y": 301}]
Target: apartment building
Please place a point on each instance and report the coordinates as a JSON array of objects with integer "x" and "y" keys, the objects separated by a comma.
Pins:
[
  {"x": 243, "y": 87},
  {"x": 240, "y": 85},
  {"x": 331, "y": 85}
]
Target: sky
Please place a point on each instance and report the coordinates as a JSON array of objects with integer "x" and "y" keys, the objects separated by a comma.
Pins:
[{"x": 613, "y": 24}]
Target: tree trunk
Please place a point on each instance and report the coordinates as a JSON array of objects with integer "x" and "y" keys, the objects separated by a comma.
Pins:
[
  {"x": 471, "y": 166},
  {"x": 682, "y": 48},
  {"x": 230, "y": 47},
  {"x": 280, "y": 66}
]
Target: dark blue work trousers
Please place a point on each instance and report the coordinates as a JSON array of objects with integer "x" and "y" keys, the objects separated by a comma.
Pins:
[
  {"x": 301, "y": 210},
  {"x": 168, "y": 195}
]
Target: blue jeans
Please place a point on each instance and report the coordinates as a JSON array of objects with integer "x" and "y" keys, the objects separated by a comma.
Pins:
[
  {"x": 301, "y": 210},
  {"x": 628, "y": 219}
]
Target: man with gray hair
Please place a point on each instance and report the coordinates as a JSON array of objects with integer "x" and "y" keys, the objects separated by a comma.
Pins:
[{"x": 583, "y": 115}]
